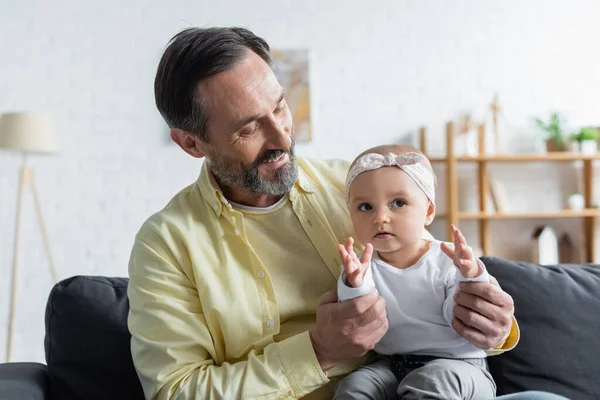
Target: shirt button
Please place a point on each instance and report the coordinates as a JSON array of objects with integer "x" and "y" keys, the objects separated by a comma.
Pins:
[
  {"x": 270, "y": 323},
  {"x": 261, "y": 274},
  {"x": 237, "y": 232}
]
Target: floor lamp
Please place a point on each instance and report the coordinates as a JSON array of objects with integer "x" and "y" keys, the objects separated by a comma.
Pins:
[{"x": 25, "y": 133}]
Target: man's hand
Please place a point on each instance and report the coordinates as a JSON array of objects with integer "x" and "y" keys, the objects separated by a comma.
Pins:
[
  {"x": 461, "y": 255},
  {"x": 348, "y": 329},
  {"x": 354, "y": 269},
  {"x": 483, "y": 313}
]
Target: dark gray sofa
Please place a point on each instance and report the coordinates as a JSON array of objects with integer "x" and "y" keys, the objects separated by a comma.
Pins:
[{"x": 88, "y": 355}]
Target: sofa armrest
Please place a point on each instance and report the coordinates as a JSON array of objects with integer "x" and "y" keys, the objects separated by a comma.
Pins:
[{"x": 24, "y": 381}]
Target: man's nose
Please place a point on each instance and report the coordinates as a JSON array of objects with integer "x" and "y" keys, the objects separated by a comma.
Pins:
[{"x": 278, "y": 136}]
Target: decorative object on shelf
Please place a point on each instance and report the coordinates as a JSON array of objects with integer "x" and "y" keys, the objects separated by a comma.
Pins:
[
  {"x": 465, "y": 143},
  {"x": 587, "y": 138},
  {"x": 26, "y": 133},
  {"x": 553, "y": 132},
  {"x": 292, "y": 70},
  {"x": 545, "y": 246},
  {"x": 567, "y": 251},
  {"x": 495, "y": 107},
  {"x": 576, "y": 202},
  {"x": 499, "y": 196}
]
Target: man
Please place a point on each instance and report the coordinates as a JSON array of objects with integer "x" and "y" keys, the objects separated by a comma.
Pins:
[{"x": 231, "y": 283}]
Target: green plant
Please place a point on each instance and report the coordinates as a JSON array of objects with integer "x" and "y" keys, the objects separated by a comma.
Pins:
[
  {"x": 553, "y": 128},
  {"x": 587, "y": 133}
]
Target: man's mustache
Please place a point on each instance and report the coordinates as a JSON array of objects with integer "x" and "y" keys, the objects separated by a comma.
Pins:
[{"x": 272, "y": 155}]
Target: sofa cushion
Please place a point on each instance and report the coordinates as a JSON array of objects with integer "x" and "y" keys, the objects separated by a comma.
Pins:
[
  {"x": 23, "y": 381},
  {"x": 558, "y": 311},
  {"x": 87, "y": 340}
]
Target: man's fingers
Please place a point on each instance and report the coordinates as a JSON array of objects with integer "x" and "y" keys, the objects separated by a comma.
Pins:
[
  {"x": 328, "y": 297},
  {"x": 376, "y": 314},
  {"x": 489, "y": 292},
  {"x": 477, "y": 304},
  {"x": 358, "y": 306},
  {"x": 472, "y": 335},
  {"x": 376, "y": 321},
  {"x": 475, "y": 320}
]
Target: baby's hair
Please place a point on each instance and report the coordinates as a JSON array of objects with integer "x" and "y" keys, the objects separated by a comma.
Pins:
[{"x": 384, "y": 149}]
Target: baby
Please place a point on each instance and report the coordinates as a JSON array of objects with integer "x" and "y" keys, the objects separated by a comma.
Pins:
[{"x": 390, "y": 192}]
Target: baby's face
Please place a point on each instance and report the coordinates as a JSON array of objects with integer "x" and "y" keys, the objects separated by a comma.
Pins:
[{"x": 388, "y": 209}]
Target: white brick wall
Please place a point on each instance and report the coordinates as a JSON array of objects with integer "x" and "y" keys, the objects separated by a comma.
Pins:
[{"x": 379, "y": 70}]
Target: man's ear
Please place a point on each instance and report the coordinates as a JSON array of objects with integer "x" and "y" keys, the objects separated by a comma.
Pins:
[
  {"x": 190, "y": 143},
  {"x": 430, "y": 214}
]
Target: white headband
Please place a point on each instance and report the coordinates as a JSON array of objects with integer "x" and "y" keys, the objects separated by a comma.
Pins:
[{"x": 411, "y": 163}]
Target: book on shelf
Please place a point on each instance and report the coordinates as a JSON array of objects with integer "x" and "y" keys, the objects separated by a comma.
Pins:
[{"x": 499, "y": 196}]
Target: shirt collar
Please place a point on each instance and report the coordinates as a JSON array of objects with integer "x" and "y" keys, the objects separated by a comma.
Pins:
[{"x": 213, "y": 195}]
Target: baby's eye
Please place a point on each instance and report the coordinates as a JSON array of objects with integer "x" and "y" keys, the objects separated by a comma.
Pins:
[
  {"x": 398, "y": 203},
  {"x": 365, "y": 207}
]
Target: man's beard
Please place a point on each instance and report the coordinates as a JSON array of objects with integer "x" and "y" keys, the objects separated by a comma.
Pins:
[{"x": 233, "y": 174}]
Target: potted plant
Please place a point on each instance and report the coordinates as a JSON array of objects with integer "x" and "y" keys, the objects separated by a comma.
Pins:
[
  {"x": 588, "y": 140},
  {"x": 554, "y": 132}
]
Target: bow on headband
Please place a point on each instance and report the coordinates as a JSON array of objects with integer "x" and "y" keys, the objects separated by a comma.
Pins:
[{"x": 411, "y": 163}]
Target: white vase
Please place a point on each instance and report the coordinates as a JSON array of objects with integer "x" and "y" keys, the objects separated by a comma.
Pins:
[
  {"x": 589, "y": 147},
  {"x": 576, "y": 202}
]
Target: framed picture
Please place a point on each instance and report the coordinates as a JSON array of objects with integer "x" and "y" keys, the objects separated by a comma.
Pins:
[{"x": 292, "y": 70}]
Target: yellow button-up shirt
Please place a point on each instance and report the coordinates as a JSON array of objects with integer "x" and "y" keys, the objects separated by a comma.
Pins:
[{"x": 202, "y": 316}]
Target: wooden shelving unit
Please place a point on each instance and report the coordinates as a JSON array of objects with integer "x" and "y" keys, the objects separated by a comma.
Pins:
[
  {"x": 483, "y": 217},
  {"x": 557, "y": 156}
]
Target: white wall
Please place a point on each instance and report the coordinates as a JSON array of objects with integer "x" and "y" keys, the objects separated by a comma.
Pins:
[{"x": 379, "y": 71}]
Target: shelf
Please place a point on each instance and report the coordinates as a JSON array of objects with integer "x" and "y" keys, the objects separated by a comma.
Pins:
[
  {"x": 555, "y": 156},
  {"x": 590, "y": 212},
  {"x": 454, "y": 163}
]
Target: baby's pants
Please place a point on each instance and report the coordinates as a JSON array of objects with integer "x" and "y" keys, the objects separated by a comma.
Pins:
[{"x": 418, "y": 377}]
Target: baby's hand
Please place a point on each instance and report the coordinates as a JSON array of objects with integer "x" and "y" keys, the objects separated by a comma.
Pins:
[
  {"x": 461, "y": 255},
  {"x": 355, "y": 269}
]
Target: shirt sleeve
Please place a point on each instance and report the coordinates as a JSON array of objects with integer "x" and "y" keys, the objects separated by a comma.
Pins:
[
  {"x": 509, "y": 343},
  {"x": 346, "y": 292},
  {"x": 174, "y": 351}
]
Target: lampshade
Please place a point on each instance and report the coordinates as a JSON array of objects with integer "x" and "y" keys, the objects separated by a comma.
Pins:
[{"x": 27, "y": 132}]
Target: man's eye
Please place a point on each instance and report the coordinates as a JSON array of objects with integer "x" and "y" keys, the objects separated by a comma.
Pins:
[
  {"x": 249, "y": 130},
  {"x": 365, "y": 207},
  {"x": 398, "y": 203},
  {"x": 280, "y": 107}
]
